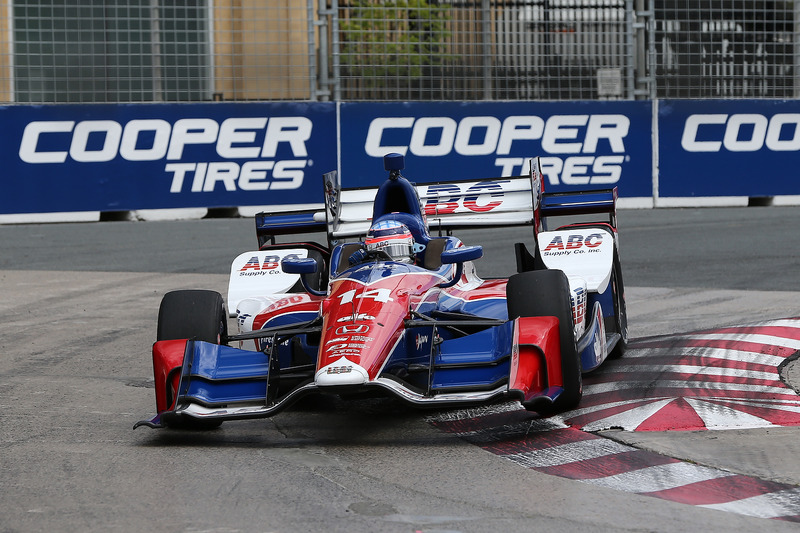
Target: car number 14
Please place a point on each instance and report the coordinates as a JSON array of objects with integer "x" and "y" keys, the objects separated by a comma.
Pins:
[{"x": 379, "y": 295}]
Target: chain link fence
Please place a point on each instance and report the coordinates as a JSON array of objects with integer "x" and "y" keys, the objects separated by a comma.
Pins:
[
  {"x": 99, "y": 51},
  {"x": 726, "y": 49},
  {"x": 491, "y": 50},
  {"x": 102, "y": 51}
]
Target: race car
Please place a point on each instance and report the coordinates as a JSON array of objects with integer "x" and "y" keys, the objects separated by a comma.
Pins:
[{"x": 392, "y": 305}]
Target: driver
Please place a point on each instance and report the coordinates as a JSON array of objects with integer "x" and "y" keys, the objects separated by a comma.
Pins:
[{"x": 391, "y": 237}]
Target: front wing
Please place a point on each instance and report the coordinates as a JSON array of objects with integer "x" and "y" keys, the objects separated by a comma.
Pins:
[{"x": 519, "y": 359}]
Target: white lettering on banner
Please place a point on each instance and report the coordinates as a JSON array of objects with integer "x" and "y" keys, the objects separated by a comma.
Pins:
[
  {"x": 447, "y": 136},
  {"x": 96, "y": 141},
  {"x": 292, "y": 130},
  {"x": 112, "y": 133},
  {"x": 374, "y": 145},
  {"x": 191, "y": 131},
  {"x": 251, "y": 176},
  {"x": 486, "y": 135},
  {"x": 239, "y": 131},
  {"x": 577, "y": 170},
  {"x": 130, "y": 135},
  {"x": 491, "y": 135},
  {"x": 744, "y": 132},
  {"x": 30, "y": 140},
  {"x": 556, "y": 133}
]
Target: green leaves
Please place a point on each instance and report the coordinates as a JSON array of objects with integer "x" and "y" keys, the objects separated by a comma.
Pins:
[{"x": 393, "y": 39}]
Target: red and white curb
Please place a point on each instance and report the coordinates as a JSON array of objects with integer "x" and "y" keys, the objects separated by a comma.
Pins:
[{"x": 721, "y": 379}]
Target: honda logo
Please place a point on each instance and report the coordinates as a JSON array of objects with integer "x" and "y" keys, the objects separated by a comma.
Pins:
[{"x": 354, "y": 328}]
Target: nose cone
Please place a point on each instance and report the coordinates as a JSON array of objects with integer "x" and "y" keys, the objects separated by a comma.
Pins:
[{"x": 341, "y": 372}]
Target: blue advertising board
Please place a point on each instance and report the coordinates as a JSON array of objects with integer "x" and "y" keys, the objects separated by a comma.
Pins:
[
  {"x": 582, "y": 145},
  {"x": 149, "y": 156},
  {"x": 728, "y": 147}
]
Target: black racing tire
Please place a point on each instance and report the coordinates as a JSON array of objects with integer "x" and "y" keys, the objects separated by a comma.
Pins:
[
  {"x": 198, "y": 315},
  {"x": 547, "y": 293},
  {"x": 620, "y": 321},
  {"x": 192, "y": 314}
]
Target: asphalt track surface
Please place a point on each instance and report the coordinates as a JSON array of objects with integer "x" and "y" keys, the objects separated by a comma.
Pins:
[{"x": 79, "y": 302}]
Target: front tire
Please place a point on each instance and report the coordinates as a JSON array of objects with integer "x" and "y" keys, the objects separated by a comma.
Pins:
[
  {"x": 198, "y": 315},
  {"x": 192, "y": 314},
  {"x": 547, "y": 293}
]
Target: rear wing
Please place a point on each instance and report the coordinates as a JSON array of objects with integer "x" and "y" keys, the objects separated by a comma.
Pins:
[{"x": 446, "y": 206}]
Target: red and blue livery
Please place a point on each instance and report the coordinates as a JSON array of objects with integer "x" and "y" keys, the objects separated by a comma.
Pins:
[{"x": 361, "y": 314}]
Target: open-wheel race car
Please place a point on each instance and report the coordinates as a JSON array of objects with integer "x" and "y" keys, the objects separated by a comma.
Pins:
[{"x": 392, "y": 305}]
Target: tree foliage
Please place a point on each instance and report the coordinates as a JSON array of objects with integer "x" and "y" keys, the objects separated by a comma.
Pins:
[{"x": 394, "y": 38}]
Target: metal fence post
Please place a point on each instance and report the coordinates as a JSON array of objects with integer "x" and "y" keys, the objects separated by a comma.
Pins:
[
  {"x": 642, "y": 79},
  {"x": 155, "y": 54},
  {"x": 335, "y": 54},
  {"x": 12, "y": 93},
  {"x": 486, "y": 48},
  {"x": 796, "y": 44},
  {"x": 323, "y": 85},
  {"x": 313, "y": 74}
]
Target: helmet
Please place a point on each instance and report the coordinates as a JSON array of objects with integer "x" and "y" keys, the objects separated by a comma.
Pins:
[{"x": 391, "y": 237}]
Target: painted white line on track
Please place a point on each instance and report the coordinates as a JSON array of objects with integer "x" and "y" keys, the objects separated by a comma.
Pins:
[
  {"x": 569, "y": 453},
  {"x": 658, "y": 478},
  {"x": 744, "y": 356},
  {"x": 770, "y": 505},
  {"x": 631, "y": 418},
  {"x": 755, "y": 338},
  {"x": 716, "y": 416},
  {"x": 696, "y": 370},
  {"x": 599, "y": 388},
  {"x": 609, "y": 405}
]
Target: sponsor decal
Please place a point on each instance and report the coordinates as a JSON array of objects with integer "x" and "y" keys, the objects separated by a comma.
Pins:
[
  {"x": 578, "y": 297},
  {"x": 355, "y": 318},
  {"x": 283, "y": 302},
  {"x": 247, "y": 146},
  {"x": 354, "y": 328},
  {"x": 381, "y": 295},
  {"x": 421, "y": 340},
  {"x": 346, "y": 351},
  {"x": 242, "y": 318},
  {"x": 577, "y": 244},
  {"x": 270, "y": 265},
  {"x": 334, "y": 347},
  {"x": 339, "y": 369},
  {"x": 444, "y": 199}
]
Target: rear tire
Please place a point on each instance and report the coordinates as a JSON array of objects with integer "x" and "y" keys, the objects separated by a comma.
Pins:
[
  {"x": 198, "y": 315},
  {"x": 620, "y": 311},
  {"x": 547, "y": 293}
]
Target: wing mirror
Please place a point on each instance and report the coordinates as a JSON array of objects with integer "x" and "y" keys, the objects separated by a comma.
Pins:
[
  {"x": 302, "y": 266},
  {"x": 297, "y": 265},
  {"x": 458, "y": 256}
]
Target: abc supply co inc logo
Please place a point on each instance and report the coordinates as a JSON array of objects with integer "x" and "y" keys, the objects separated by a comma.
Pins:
[
  {"x": 574, "y": 143},
  {"x": 247, "y": 146},
  {"x": 574, "y": 244}
]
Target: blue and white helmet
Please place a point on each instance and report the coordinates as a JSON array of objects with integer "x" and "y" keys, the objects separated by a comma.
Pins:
[{"x": 391, "y": 237}]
